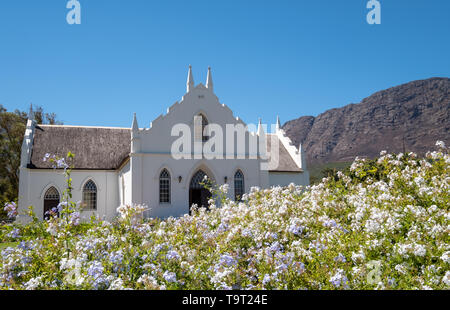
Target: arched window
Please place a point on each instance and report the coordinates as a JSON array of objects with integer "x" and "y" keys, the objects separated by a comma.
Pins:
[
  {"x": 238, "y": 185},
  {"x": 90, "y": 195},
  {"x": 200, "y": 123},
  {"x": 164, "y": 186},
  {"x": 51, "y": 200}
]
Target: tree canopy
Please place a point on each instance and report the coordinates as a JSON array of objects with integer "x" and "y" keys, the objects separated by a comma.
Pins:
[{"x": 12, "y": 129}]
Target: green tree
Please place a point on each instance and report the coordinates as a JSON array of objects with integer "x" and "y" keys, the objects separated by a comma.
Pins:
[{"x": 12, "y": 129}]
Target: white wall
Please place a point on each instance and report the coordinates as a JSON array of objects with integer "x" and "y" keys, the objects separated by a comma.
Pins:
[
  {"x": 124, "y": 184},
  {"x": 286, "y": 178},
  {"x": 152, "y": 153},
  {"x": 216, "y": 170},
  {"x": 37, "y": 181}
]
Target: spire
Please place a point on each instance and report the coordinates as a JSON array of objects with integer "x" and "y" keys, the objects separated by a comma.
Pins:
[
  {"x": 135, "y": 140},
  {"x": 302, "y": 155},
  {"x": 190, "y": 80},
  {"x": 260, "y": 128},
  {"x": 278, "y": 126},
  {"x": 209, "y": 81},
  {"x": 31, "y": 113},
  {"x": 135, "y": 126}
]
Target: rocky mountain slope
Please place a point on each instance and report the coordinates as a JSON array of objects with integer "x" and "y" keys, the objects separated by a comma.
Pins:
[{"x": 409, "y": 117}]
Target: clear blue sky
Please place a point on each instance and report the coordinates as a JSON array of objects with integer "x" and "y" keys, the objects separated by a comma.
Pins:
[{"x": 291, "y": 58}]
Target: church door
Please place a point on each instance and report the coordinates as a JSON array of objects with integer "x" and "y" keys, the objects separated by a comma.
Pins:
[{"x": 198, "y": 195}]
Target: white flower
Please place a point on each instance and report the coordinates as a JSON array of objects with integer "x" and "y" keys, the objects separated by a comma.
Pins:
[
  {"x": 420, "y": 250},
  {"x": 400, "y": 268},
  {"x": 33, "y": 283},
  {"x": 446, "y": 278},
  {"x": 358, "y": 257},
  {"x": 446, "y": 257},
  {"x": 440, "y": 144},
  {"x": 117, "y": 284},
  {"x": 339, "y": 279},
  {"x": 224, "y": 188}
]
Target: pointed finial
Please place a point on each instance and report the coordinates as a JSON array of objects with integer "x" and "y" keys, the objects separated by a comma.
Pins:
[
  {"x": 260, "y": 128},
  {"x": 209, "y": 81},
  {"x": 31, "y": 113},
  {"x": 190, "y": 80},
  {"x": 278, "y": 126},
  {"x": 135, "y": 126}
]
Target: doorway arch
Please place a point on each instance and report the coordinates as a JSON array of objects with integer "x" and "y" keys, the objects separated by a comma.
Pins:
[{"x": 198, "y": 194}]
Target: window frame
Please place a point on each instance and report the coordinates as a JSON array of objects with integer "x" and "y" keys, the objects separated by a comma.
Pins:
[
  {"x": 91, "y": 192},
  {"x": 239, "y": 177},
  {"x": 164, "y": 197}
]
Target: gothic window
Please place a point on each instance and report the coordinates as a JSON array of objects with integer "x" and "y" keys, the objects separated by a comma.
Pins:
[
  {"x": 200, "y": 123},
  {"x": 164, "y": 186},
  {"x": 238, "y": 185},
  {"x": 51, "y": 201},
  {"x": 90, "y": 195}
]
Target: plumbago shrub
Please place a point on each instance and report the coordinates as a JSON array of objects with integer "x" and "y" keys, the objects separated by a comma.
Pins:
[{"x": 383, "y": 225}]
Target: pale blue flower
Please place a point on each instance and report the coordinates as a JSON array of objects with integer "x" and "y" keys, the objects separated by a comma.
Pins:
[
  {"x": 227, "y": 260},
  {"x": 170, "y": 277},
  {"x": 173, "y": 255}
]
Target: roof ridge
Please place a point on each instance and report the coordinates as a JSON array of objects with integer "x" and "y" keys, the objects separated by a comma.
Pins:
[{"x": 79, "y": 126}]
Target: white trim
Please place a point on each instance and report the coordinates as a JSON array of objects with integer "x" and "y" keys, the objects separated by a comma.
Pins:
[
  {"x": 47, "y": 187},
  {"x": 85, "y": 180},
  {"x": 199, "y": 166},
  {"x": 161, "y": 168},
  {"x": 292, "y": 150}
]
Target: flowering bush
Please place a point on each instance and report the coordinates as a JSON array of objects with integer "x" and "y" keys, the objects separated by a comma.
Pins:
[
  {"x": 11, "y": 209},
  {"x": 384, "y": 225}
]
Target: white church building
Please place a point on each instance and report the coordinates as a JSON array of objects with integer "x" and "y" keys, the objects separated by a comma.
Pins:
[{"x": 119, "y": 166}]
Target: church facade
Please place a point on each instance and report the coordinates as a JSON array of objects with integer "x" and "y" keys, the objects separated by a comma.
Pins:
[{"x": 162, "y": 166}]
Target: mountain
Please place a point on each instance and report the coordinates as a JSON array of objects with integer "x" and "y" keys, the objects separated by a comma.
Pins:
[{"x": 409, "y": 117}]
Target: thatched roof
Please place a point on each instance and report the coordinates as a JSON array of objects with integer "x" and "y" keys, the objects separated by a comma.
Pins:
[
  {"x": 95, "y": 148},
  {"x": 285, "y": 161}
]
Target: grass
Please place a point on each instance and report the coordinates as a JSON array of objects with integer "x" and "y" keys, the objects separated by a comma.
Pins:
[{"x": 8, "y": 244}]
